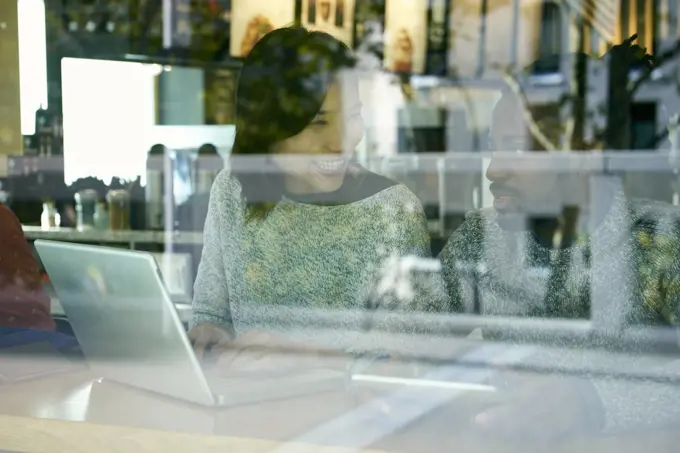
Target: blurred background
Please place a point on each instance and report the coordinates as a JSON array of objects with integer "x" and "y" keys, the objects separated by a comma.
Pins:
[{"x": 95, "y": 90}]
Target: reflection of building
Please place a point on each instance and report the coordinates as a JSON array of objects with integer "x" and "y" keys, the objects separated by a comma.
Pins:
[
  {"x": 335, "y": 17},
  {"x": 513, "y": 34},
  {"x": 516, "y": 33}
]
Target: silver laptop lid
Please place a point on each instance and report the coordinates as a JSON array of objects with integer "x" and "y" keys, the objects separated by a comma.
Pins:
[{"x": 123, "y": 317}]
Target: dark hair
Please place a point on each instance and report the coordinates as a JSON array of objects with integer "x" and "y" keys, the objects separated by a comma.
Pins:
[{"x": 281, "y": 88}]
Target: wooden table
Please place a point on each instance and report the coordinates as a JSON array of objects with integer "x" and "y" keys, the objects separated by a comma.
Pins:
[{"x": 77, "y": 411}]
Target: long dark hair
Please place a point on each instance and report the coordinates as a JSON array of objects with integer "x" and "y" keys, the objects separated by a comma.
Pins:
[{"x": 281, "y": 88}]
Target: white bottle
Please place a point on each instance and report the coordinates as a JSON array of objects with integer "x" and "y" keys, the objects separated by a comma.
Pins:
[{"x": 50, "y": 217}]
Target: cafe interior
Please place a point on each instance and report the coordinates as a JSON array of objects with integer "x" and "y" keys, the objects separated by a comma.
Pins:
[{"x": 121, "y": 116}]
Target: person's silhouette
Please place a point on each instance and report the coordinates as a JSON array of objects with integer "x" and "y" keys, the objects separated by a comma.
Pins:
[{"x": 23, "y": 301}]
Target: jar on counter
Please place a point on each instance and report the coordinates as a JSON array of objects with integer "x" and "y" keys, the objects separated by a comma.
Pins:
[
  {"x": 119, "y": 209},
  {"x": 101, "y": 216},
  {"x": 206, "y": 166},
  {"x": 86, "y": 204},
  {"x": 50, "y": 217},
  {"x": 156, "y": 189}
]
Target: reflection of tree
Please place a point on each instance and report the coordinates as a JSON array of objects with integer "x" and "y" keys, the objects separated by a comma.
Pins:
[
  {"x": 470, "y": 19},
  {"x": 619, "y": 61}
]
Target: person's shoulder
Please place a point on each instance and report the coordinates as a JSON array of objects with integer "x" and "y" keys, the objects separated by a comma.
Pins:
[
  {"x": 8, "y": 220},
  {"x": 655, "y": 222},
  {"x": 401, "y": 192},
  {"x": 5, "y": 211},
  {"x": 401, "y": 199},
  {"x": 226, "y": 187},
  {"x": 476, "y": 222},
  {"x": 226, "y": 181},
  {"x": 467, "y": 240},
  {"x": 653, "y": 216},
  {"x": 225, "y": 199},
  {"x": 644, "y": 209},
  {"x": 483, "y": 215}
]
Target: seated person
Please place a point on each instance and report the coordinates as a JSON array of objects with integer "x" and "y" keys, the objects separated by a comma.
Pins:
[
  {"x": 23, "y": 301},
  {"x": 628, "y": 253},
  {"x": 319, "y": 231}
]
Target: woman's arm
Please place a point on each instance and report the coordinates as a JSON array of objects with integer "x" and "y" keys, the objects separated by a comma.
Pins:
[
  {"x": 23, "y": 301},
  {"x": 211, "y": 293}
]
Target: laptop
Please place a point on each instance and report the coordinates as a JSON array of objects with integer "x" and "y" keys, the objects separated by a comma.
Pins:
[{"x": 129, "y": 331}]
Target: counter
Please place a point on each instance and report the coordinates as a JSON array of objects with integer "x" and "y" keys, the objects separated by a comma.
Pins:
[
  {"x": 81, "y": 412},
  {"x": 130, "y": 237}
]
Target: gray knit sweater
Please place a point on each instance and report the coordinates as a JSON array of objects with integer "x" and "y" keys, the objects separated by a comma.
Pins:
[{"x": 309, "y": 256}]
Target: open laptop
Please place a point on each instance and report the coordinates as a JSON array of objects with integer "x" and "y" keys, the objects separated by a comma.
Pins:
[{"x": 129, "y": 330}]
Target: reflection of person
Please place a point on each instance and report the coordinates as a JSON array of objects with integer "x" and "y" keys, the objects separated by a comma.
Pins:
[
  {"x": 317, "y": 232},
  {"x": 257, "y": 27},
  {"x": 340, "y": 13},
  {"x": 23, "y": 301},
  {"x": 403, "y": 52},
  {"x": 636, "y": 261}
]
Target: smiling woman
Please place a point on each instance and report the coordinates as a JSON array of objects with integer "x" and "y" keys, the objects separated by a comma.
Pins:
[
  {"x": 298, "y": 103},
  {"x": 318, "y": 229}
]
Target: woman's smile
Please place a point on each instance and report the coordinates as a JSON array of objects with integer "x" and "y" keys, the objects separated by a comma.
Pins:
[{"x": 331, "y": 166}]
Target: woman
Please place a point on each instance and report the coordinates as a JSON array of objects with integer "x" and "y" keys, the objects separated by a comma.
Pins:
[{"x": 317, "y": 232}]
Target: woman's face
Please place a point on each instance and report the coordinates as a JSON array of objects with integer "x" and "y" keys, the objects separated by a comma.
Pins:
[{"x": 316, "y": 159}]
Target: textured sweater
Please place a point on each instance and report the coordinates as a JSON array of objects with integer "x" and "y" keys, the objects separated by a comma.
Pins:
[
  {"x": 629, "y": 265},
  {"x": 327, "y": 251}
]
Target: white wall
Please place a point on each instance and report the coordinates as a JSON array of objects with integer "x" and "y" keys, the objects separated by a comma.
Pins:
[
  {"x": 109, "y": 110},
  {"x": 32, "y": 61},
  {"x": 109, "y": 120}
]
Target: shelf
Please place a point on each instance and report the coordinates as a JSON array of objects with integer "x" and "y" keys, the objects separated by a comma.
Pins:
[{"x": 109, "y": 236}]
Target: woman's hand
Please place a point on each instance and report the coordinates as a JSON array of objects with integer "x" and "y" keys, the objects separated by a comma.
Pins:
[
  {"x": 214, "y": 345},
  {"x": 206, "y": 337},
  {"x": 244, "y": 352}
]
